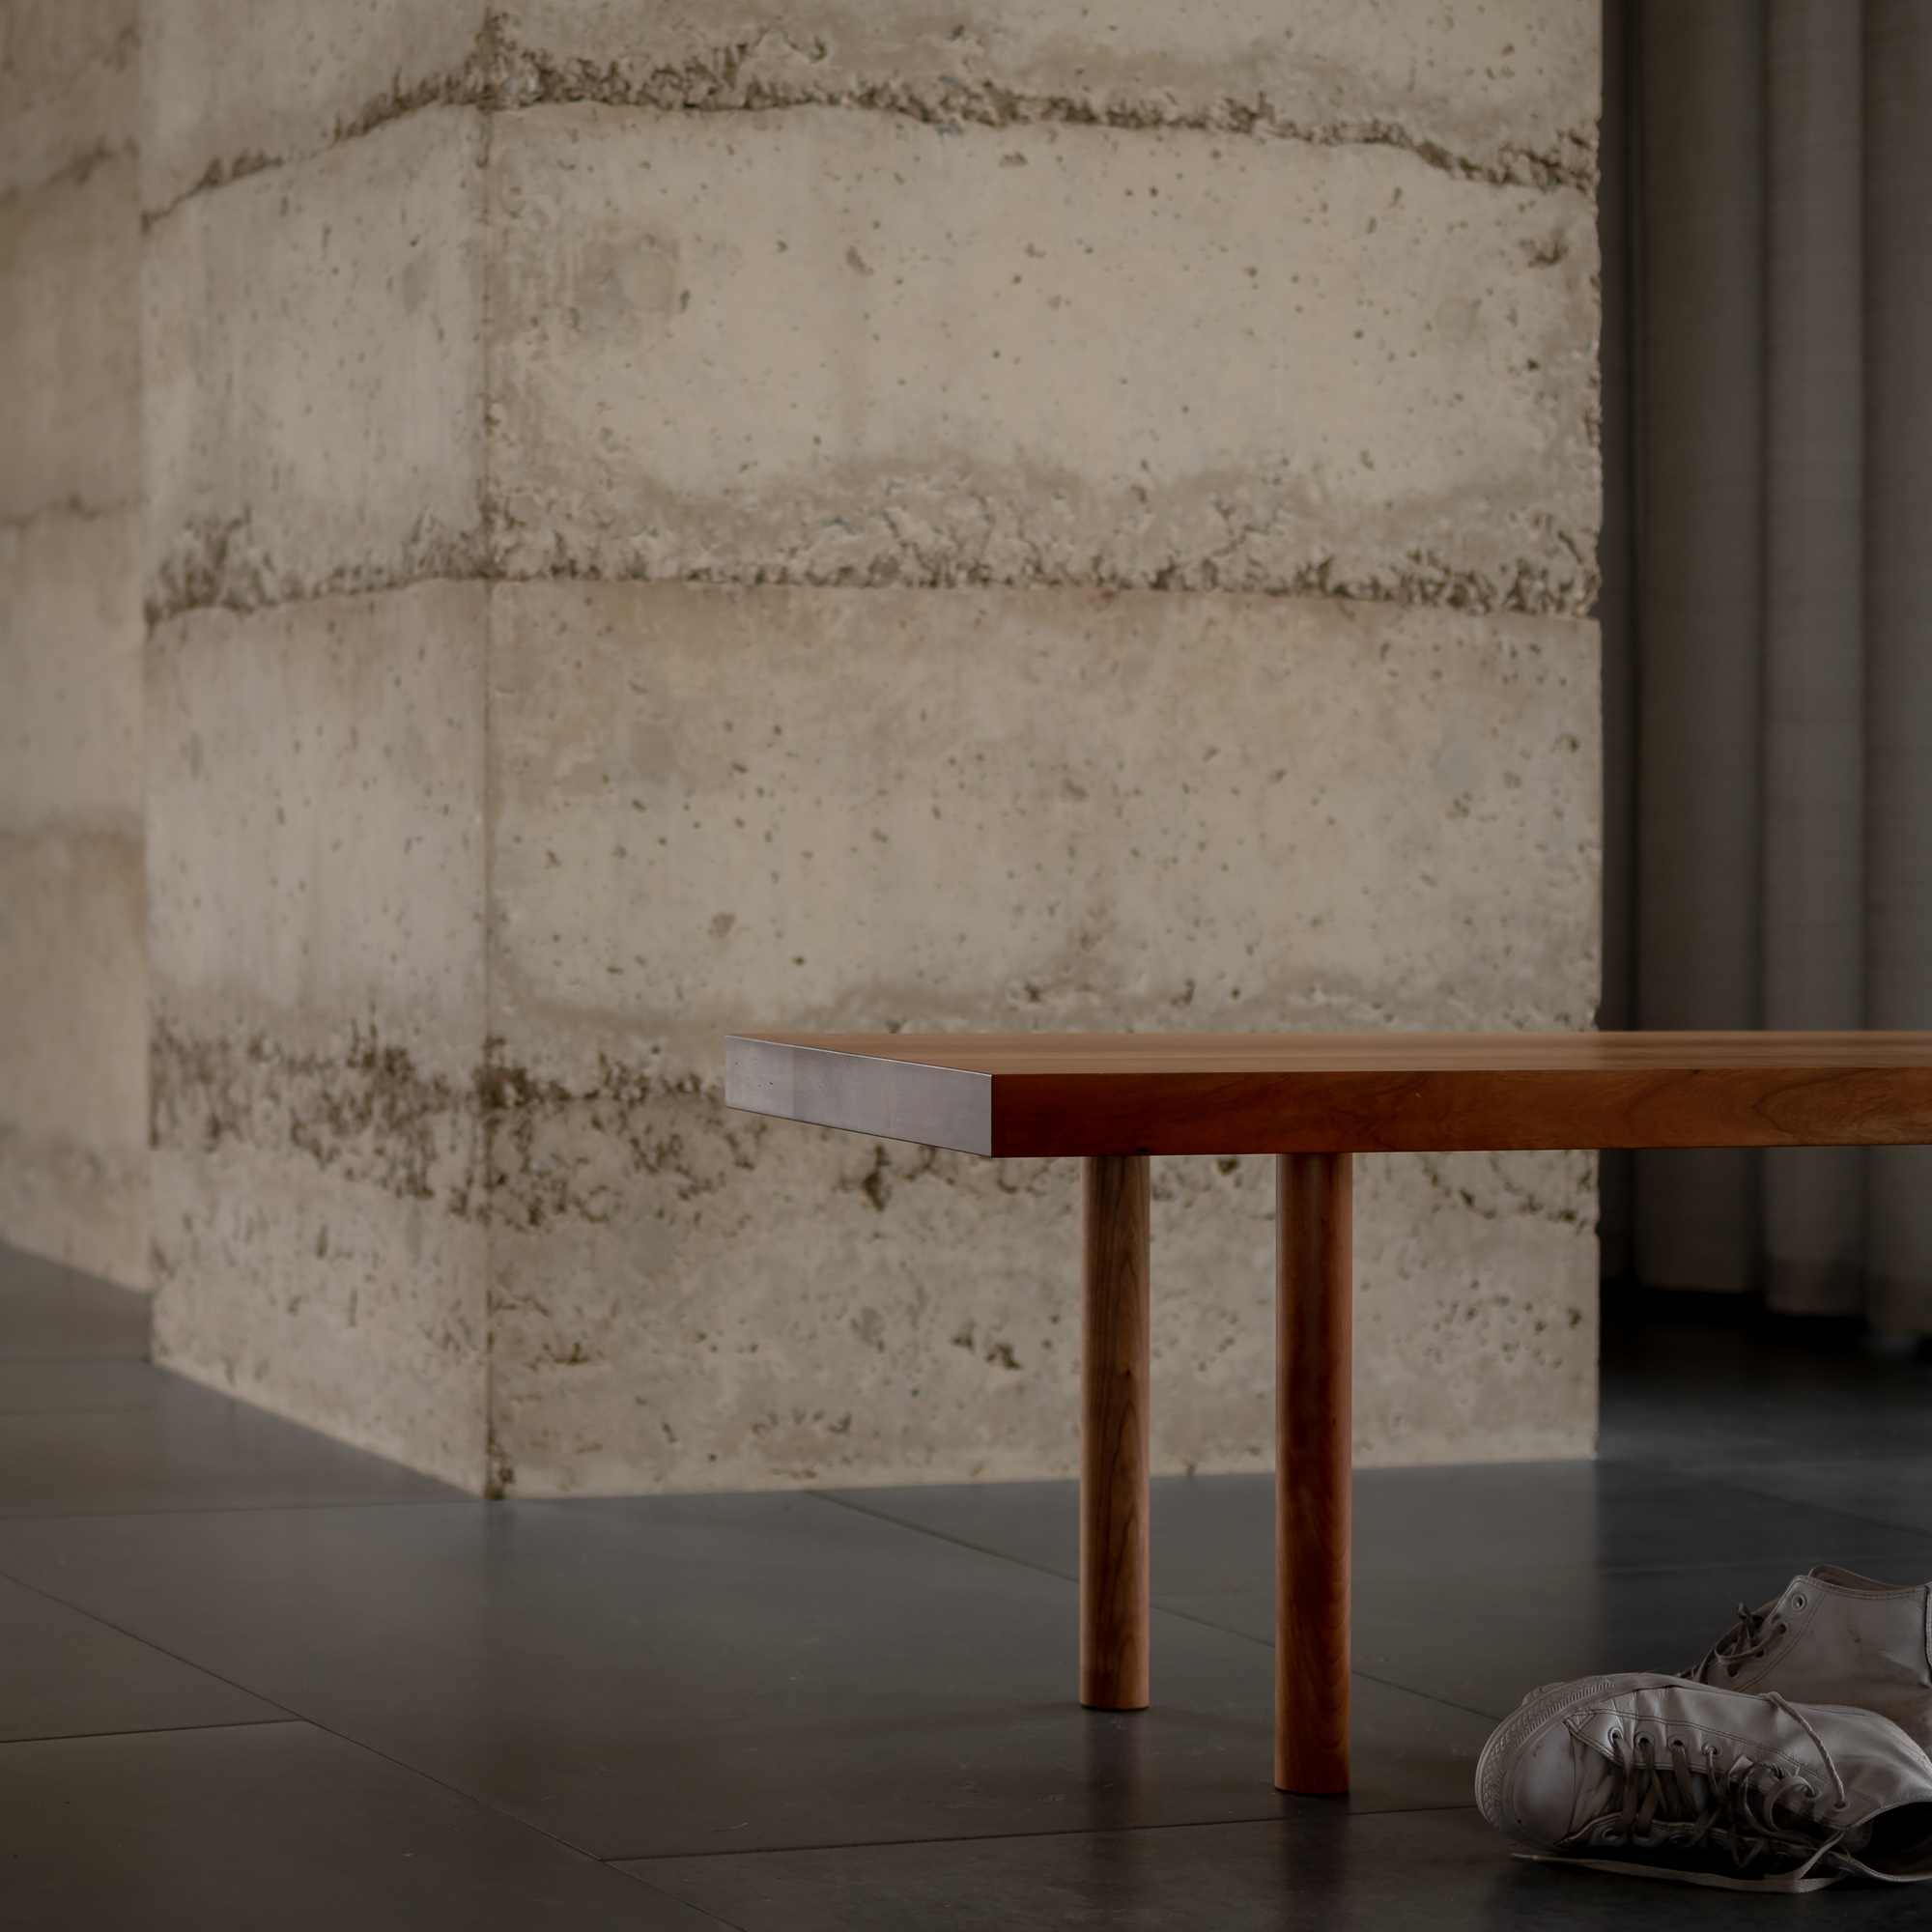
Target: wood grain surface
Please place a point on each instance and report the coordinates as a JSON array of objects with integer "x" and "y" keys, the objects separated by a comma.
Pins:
[
  {"x": 1113, "y": 1422},
  {"x": 1314, "y": 1243},
  {"x": 1099, "y": 1093}
]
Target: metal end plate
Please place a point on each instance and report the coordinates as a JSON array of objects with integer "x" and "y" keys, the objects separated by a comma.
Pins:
[{"x": 891, "y": 1099}]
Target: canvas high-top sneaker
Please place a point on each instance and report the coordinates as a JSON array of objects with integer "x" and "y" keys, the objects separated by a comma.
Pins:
[
  {"x": 1834, "y": 1637},
  {"x": 1662, "y": 1777}
]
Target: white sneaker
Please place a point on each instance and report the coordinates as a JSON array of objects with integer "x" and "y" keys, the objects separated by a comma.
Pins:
[
  {"x": 1660, "y": 1777},
  {"x": 1835, "y": 1638}
]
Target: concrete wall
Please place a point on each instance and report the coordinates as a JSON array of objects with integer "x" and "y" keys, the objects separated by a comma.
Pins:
[
  {"x": 316, "y": 836},
  {"x": 73, "y": 1179},
  {"x": 1013, "y": 808},
  {"x": 662, "y": 520}
]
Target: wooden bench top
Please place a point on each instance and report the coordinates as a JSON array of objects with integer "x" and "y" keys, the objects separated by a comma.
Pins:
[{"x": 1221, "y": 1093}]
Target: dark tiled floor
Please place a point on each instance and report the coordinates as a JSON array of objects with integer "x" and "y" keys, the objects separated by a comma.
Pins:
[{"x": 248, "y": 1677}]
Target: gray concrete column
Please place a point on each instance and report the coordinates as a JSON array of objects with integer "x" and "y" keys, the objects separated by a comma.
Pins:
[
  {"x": 1814, "y": 746},
  {"x": 1619, "y": 561},
  {"x": 657, "y": 524},
  {"x": 73, "y": 1037},
  {"x": 1898, "y": 616},
  {"x": 1698, "y": 682}
]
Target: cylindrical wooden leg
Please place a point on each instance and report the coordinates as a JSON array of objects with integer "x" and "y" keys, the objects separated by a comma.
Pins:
[
  {"x": 1114, "y": 1432},
  {"x": 1312, "y": 1434}
]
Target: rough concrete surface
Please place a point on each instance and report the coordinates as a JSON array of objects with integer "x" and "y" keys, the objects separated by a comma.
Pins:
[
  {"x": 316, "y": 873},
  {"x": 230, "y": 91},
  {"x": 70, "y": 85},
  {"x": 1095, "y": 512},
  {"x": 73, "y": 1109},
  {"x": 1069, "y": 355},
  {"x": 315, "y": 778},
  {"x": 74, "y": 1116},
  {"x": 1010, "y": 810},
  {"x": 727, "y": 1306},
  {"x": 1505, "y": 92},
  {"x": 69, "y": 343},
  {"x": 73, "y": 1048},
  {"x": 314, "y": 373},
  {"x": 714, "y": 807},
  {"x": 345, "y": 1307},
  {"x": 71, "y": 638}
]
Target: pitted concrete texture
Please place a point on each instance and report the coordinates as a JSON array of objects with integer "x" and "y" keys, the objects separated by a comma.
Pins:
[
  {"x": 1062, "y": 355},
  {"x": 1508, "y": 93},
  {"x": 1030, "y": 809},
  {"x": 315, "y": 372},
  {"x": 229, "y": 91},
  {"x": 73, "y": 1115},
  {"x": 348, "y": 1308},
  {"x": 1007, "y": 809},
  {"x": 1475, "y": 1310},
  {"x": 69, "y": 86},
  {"x": 73, "y": 1048},
  {"x": 1058, "y": 354},
  {"x": 728, "y": 1304},
  {"x": 71, "y": 635},
  {"x": 69, "y": 343},
  {"x": 317, "y": 881},
  {"x": 315, "y": 797},
  {"x": 72, "y": 995},
  {"x": 812, "y": 470}
]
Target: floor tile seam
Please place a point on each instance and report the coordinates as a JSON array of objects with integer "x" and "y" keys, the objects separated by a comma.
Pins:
[
  {"x": 112, "y": 1409},
  {"x": 300, "y": 1720},
  {"x": 1202, "y": 1623},
  {"x": 1506, "y": 1573},
  {"x": 1427, "y": 1696},
  {"x": 1355, "y": 1669},
  {"x": 1160, "y": 1603},
  {"x": 470, "y": 1796},
  {"x": 624, "y": 1871},
  {"x": 1552, "y": 1573},
  {"x": 290, "y": 1715},
  {"x": 328, "y": 1729},
  {"x": 1027, "y": 1838},
  {"x": 1822, "y": 1509},
  {"x": 943, "y": 1536},
  {"x": 160, "y": 1730},
  {"x": 233, "y": 1509},
  {"x": 1387, "y": 1581},
  {"x": 1673, "y": 1461},
  {"x": 1666, "y": 1572},
  {"x": 1626, "y": 1572},
  {"x": 320, "y": 1726},
  {"x": 1432, "y": 1697},
  {"x": 71, "y": 1361}
]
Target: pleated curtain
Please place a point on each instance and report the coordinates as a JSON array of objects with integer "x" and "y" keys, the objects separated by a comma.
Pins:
[{"x": 1768, "y": 604}]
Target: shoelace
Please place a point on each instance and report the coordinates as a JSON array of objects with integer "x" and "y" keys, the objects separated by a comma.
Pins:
[
  {"x": 1746, "y": 1640},
  {"x": 1740, "y": 1809}
]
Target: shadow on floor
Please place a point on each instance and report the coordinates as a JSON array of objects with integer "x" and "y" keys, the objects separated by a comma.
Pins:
[{"x": 249, "y": 1677}]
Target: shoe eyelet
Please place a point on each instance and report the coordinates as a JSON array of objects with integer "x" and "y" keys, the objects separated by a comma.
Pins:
[
  {"x": 1796, "y": 1604},
  {"x": 1730, "y": 1670}
]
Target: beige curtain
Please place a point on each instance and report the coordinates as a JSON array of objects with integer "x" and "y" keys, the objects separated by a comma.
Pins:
[{"x": 1768, "y": 607}]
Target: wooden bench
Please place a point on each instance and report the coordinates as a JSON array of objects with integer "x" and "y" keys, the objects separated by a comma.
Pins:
[{"x": 1313, "y": 1100}]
